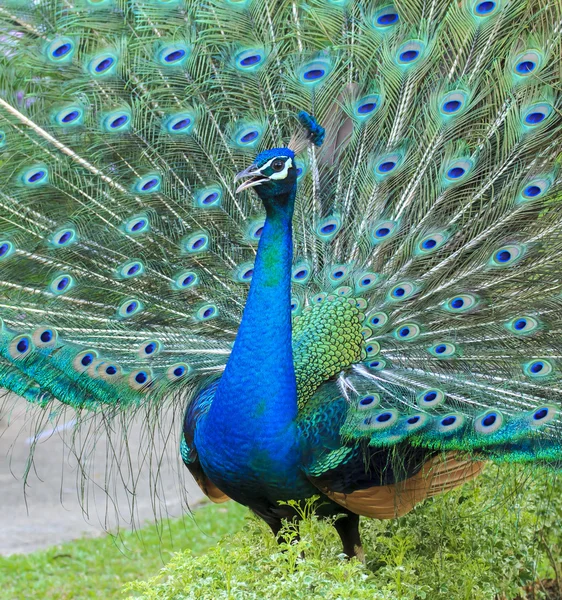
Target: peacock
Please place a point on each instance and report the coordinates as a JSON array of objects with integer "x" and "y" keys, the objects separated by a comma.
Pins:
[{"x": 328, "y": 234}]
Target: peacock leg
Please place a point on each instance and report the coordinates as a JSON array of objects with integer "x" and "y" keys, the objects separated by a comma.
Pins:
[
  {"x": 275, "y": 527},
  {"x": 348, "y": 530}
]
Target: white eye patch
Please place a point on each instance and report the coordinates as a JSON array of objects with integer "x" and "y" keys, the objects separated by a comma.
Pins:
[{"x": 281, "y": 174}]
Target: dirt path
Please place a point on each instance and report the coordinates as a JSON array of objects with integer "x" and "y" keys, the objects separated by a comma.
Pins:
[{"x": 54, "y": 512}]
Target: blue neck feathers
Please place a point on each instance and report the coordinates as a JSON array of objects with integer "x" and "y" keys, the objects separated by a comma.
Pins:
[
  {"x": 258, "y": 386},
  {"x": 248, "y": 442}
]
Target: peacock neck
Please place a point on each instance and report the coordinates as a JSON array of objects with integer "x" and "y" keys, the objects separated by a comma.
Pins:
[{"x": 259, "y": 383}]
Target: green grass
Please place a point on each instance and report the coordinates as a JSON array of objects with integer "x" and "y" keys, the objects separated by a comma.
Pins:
[
  {"x": 487, "y": 540},
  {"x": 99, "y": 567}
]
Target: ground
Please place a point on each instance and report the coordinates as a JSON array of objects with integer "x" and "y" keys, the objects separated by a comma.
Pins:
[{"x": 48, "y": 510}]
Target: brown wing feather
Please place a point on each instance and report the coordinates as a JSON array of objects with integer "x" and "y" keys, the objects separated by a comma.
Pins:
[
  {"x": 207, "y": 486},
  {"x": 438, "y": 475}
]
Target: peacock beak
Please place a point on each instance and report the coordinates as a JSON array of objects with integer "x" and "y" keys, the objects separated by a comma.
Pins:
[{"x": 255, "y": 178}]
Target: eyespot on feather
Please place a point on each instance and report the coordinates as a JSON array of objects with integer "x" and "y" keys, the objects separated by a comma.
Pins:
[
  {"x": 507, "y": 255},
  {"x": 64, "y": 237},
  {"x": 130, "y": 269},
  {"x": 368, "y": 402},
  {"x": 344, "y": 291},
  {"x": 196, "y": 242},
  {"x": 372, "y": 348},
  {"x": 103, "y": 64},
  {"x": 538, "y": 368},
  {"x": 244, "y": 272},
  {"x": 365, "y": 281},
  {"x": 407, "y": 332},
  {"x": 388, "y": 164},
  {"x": 20, "y": 347},
  {"x": 410, "y": 53},
  {"x": 457, "y": 171},
  {"x": 248, "y": 135},
  {"x": 296, "y": 306},
  {"x": 181, "y": 123},
  {"x": 453, "y": 103},
  {"x": 489, "y": 422},
  {"x": 485, "y": 8},
  {"x": 523, "y": 325},
  {"x": 431, "y": 243},
  {"x": 129, "y": 308},
  {"x": 384, "y": 231},
  {"x": 137, "y": 225},
  {"x": 318, "y": 298},
  {"x": 45, "y": 337},
  {"x": 178, "y": 371},
  {"x": 361, "y": 303},
  {"x": 443, "y": 350},
  {"x": 385, "y": 18},
  {"x": 535, "y": 188},
  {"x": 148, "y": 184},
  {"x": 172, "y": 55},
  {"x": 117, "y": 121},
  {"x": 378, "y": 320},
  {"x": 460, "y": 303},
  {"x": 301, "y": 169},
  {"x": 536, "y": 115},
  {"x": 402, "y": 291},
  {"x": 328, "y": 228},
  {"x": 6, "y": 249},
  {"x": 542, "y": 416},
  {"x": 149, "y": 349},
  {"x": 206, "y": 312},
  {"x": 34, "y": 176},
  {"x": 366, "y": 107},
  {"x": 185, "y": 280},
  {"x": 250, "y": 60},
  {"x": 384, "y": 419},
  {"x": 431, "y": 398},
  {"x": 140, "y": 380},
  {"x": 109, "y": 371},
  {"x": 377, "y": 364},
  {"x": 415, "y": 422},
  {"x": 69, "y": 116},
  {"x": 255, "y": 230},
  {"x": 84, "y": 359},
  {"x": 451, "y": 423},
  {"x": 60, "y": 50},
  {"x": 527, "y": 63},
  {"x": 337, "y": 274},
  {"x": 301, "y": 272},
  {"x": 314, "y": 72},
  {"x": 209, "y": 197}
]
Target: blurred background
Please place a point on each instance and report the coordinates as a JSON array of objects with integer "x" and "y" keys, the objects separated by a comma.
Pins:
[{"x": 56, "y": 497}]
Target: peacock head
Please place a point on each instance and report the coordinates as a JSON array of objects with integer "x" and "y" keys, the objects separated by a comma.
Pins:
[{"x": 273, "y": 174}]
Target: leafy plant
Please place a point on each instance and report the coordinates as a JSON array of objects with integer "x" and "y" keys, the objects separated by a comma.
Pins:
[{"x": 489, "y": 539}]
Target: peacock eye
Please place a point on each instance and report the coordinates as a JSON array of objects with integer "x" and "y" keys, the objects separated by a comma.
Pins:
[{"x": 278, "y": 165}]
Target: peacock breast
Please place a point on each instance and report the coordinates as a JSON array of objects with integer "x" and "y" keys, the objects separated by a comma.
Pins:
[{"x": 261, "y": 462}]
